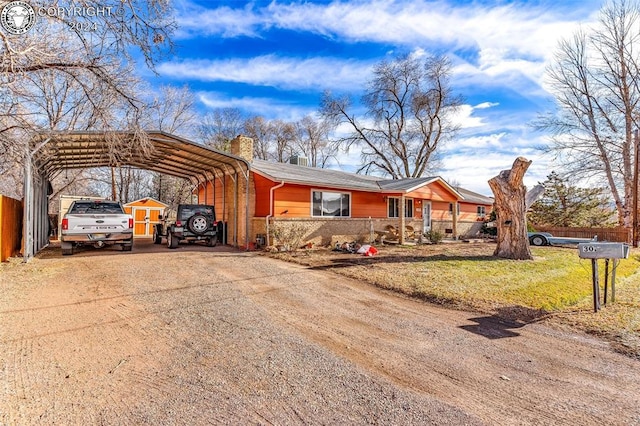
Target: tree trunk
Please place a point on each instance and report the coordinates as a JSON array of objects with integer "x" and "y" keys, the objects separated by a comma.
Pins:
[{"x": 510, "y": 194}]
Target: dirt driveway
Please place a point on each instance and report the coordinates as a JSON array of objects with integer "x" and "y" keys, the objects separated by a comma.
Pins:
[{"x": 213, "y": 336}]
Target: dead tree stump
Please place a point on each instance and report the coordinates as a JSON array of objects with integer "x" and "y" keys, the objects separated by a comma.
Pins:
[{"x": 510, "y": 206}]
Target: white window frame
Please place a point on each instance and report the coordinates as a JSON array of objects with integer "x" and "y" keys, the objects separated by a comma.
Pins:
[
  {"x": 408, "y": 212},
  {"x": 481, "y": 211},
  {"x": 333, "y": 192}
]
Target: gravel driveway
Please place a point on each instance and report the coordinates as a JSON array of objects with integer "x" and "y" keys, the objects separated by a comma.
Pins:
[{"x": 213, "y": 336}]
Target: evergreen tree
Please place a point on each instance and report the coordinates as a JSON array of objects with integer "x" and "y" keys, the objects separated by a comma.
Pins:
[{"x": 571, "y": 206}]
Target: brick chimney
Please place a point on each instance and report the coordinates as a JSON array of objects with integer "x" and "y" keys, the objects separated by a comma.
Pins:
[{"x": 242, "y": 146}]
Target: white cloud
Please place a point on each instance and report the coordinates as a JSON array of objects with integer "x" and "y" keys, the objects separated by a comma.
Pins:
[
  {"x": 508, "y": 37},
  {"x": 473, "y": 161},
  {"x": 485, "y": 105},
  {"x": 465, "y": 118},
  {"x": 271, "y": 70},
  {"x": 266, "y": 107}
]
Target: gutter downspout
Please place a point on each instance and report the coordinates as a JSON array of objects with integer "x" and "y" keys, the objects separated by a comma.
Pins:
[{"x": 270, "y": 215}]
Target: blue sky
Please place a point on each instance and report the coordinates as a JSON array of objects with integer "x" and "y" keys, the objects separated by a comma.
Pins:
[{"x": 276, "y": 58}]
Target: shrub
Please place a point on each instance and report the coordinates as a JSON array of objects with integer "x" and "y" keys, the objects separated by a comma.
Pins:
[
  {"x": 435, "y": 237},
  {"x": 288, "y": 234}
]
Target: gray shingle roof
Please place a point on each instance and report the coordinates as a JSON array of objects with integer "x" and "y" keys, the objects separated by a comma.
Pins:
[
  {"x": 406, "y": 184},
  {"x": 474, "y": 196},
  {"x": 315, "y": 176},
  {"x": 293, "y": 173}
]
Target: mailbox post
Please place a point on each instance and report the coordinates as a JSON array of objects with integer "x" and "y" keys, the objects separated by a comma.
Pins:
[{"x": 602, "y": 250}]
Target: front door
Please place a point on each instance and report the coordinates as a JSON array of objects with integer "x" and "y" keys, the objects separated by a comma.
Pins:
[{"x": 426, "y": 216}]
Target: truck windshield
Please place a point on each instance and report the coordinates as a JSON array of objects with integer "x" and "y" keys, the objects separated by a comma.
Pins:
[{"x": 96, "y": 208}]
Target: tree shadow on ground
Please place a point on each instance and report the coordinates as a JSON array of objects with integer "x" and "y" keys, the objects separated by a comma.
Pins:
[
  {"x": 504, "y": 321},
  {"x": 360, "y": 260}
]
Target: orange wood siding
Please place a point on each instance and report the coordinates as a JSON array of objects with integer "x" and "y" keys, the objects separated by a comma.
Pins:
[
  {"x": 440, "y": 210},
  {"x": 368, "y": 204},
  {"x": 435, "y": 191},
  {"x": 469, "y": 211},
  {"x": 262, "y": 187},
  {"x": 295, "y": 200}
]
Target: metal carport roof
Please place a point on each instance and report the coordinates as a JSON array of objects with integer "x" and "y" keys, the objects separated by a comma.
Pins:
[{"x": 151, "y": 150}]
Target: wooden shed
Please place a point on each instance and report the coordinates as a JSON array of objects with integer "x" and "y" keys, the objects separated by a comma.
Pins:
[{"x": 146, "y": 213}]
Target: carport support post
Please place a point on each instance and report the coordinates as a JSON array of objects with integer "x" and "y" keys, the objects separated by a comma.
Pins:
[
  {"x": 246, "y": 209},
  {"x": 28, "y": 206},
  {"x": 29, "y": 199},
  {"x": 235, "y": 209}
]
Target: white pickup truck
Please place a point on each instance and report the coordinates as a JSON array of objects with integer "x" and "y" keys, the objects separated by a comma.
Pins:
[{"x": 97, "y": 223}]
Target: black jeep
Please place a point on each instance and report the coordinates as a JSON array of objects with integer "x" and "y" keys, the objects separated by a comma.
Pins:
[{"x": 194, "y": 222}]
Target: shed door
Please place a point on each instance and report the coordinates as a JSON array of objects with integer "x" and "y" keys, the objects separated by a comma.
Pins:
[
  {"x": 144, "y": 218},
  {"x": 140, "y": 222}
]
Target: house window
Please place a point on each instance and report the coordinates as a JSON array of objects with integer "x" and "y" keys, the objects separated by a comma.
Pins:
[
  {"x": 394, "y": 207},
  {"x": 481, "y": 211},
  {"x": 331, "y": 204},
  {"x": 451, "y": 208}
]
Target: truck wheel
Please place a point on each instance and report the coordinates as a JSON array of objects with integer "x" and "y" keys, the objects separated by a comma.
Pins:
[
  {"x": 172, "y": 242},
  {"x": 198, "y": 224},
  {"x": 157, "y": 238},
  {"x": 211, "y": 242},
  {"x": 128, "y": 245},
  {"x": 67, "y": 249}
]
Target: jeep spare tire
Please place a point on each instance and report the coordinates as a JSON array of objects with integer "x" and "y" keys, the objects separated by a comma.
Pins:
[{"x": 198, "y": 224}]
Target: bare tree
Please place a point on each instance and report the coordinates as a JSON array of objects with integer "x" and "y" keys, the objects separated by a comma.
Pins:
[
  {"x": 595, "y": 79},
  {"x": 272, "y": 140},
  {"x": 409, "y": 106},
  {"x": 220, "y": 126},
  {"x": 259, "y": 129},
  {"x": 313, "y": 141},
  {"x": 284, "y": 134},
  {"x": 87, "y": 57},
  {"x": 173, "y": 111}
]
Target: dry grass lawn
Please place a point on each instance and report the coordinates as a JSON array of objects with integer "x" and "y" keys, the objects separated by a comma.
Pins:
[{"x": 555, "y": 287}]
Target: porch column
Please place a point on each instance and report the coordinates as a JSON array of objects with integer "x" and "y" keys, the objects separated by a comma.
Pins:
[
  {"x": 455, "y": 220},
  {"x": 402, "y": 220}
]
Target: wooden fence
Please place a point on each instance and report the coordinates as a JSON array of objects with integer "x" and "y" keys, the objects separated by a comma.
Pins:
[
  {"x": 10, "y": 227},
  {"x": 619, "y": 234}
]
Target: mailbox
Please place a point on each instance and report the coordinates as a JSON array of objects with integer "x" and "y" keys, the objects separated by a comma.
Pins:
[{"x": 599, "y": 250}]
